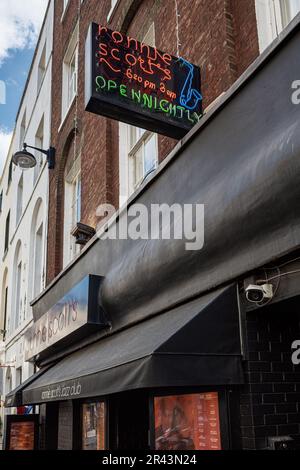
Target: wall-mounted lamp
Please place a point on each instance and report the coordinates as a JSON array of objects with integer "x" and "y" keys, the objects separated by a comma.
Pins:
[{"x": 25, "y": 160}]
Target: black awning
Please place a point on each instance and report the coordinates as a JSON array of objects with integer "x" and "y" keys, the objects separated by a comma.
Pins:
[
  {"x": 14, "y": 398},
  {"x": 194, "y": 344}
]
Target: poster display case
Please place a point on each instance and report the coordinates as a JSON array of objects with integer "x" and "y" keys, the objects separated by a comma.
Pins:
[
  {"x": 187, "y": 422},
  {"x": 21, "y": 432},
  {"x": 93, "y": 426}
]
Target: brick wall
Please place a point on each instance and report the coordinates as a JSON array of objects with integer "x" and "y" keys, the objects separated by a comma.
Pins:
[
  {"x": 219, "y": 35},
  {"x": 270, "y": 402}
]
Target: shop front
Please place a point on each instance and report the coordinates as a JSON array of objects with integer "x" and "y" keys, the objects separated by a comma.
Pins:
[
  {"x": 159, "y": 350},
  {"x": 159, "y": 384}
]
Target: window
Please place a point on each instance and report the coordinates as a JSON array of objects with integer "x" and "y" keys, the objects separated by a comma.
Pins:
[
  {"x": 5, "y": 313},
  {"x": 4, "y": 299},
  {"x": 10, "y": 170},
  {"x": 18, "y": 376},
  {"x": 65, "y": 4},
  {"x": 72, "y": 79},
  {"x": 36, "y": 253},
  {"x": 93, "y": 426},
  {"x": 72, "y": 211},
  {"x": 142, "y": 156},
  {"x": 187, "y": 422},
  {"x": 6, "y": 240},
  {"x": 39, "y": 142},
  {"x": 138, "y": 149},
  {"x": 38, "y": 266},
  {"x": 18, "y": 295},
  {"x": 8, "y": 381},
  {"x": 41, "y": 68},
  {"x": 289, "y": 9},
  {"x": 70, "y": 73},
  {"x": 22, "y": 131},
  {"x": 17, "y": 286},
  {"x": 113, "y": 3},
  {"x": 272, "y": 16},
  {"x": 19, "y": 200}
]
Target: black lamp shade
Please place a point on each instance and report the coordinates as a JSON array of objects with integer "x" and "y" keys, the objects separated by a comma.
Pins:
[{"x": 24, "y": 159}]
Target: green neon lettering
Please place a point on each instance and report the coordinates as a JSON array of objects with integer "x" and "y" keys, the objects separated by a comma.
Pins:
[
  {"x": 136, "y": 96},
  {"x": 123, "y": 90},
  {"x": 147, "y": 100},
  {"x": 173, "y": 109},
  {"x": 111, "y": 85},
  {"x": 100, "y": 82},
  {"x": 165, "y": 110},
  {"x": 181, "y": 109},
  {"x": 189, "y": 116},
  {"x": 197, "y": 116}
]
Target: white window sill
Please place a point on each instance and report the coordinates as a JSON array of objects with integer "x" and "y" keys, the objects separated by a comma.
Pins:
[
  {"x": 65, "y": 12},
  {"x": 66, "y": 114},
  {"x": 112, "y": 11}
]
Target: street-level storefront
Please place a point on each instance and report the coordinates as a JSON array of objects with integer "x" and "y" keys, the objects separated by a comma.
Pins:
[
  {"x": 164, "y": 379},
  {"x": 160, "y": 349}
]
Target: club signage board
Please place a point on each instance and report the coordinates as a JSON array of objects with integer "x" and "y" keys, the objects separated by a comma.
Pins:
[
  {"x": 135, "y": 83},
  {"x": 73, "y": 317}
]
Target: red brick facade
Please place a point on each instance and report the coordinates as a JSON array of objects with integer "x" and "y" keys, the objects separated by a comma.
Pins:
[{"x": 218, "y": 35}]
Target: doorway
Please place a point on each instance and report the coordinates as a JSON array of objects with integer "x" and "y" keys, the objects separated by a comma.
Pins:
[{"x": 129, "y": 421}]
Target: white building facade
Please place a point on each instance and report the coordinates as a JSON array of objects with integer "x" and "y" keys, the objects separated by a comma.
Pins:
[{"x": 23, "y": 216}]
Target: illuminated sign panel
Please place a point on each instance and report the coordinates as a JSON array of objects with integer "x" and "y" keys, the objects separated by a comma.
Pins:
[
  {"x": 74, "y": 316},
  {"x": 138, "y": 84}
]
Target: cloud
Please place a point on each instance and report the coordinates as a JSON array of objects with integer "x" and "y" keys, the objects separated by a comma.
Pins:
[
  {"x": 5, "y": 138},
  {"x": 20, "y": 22}
]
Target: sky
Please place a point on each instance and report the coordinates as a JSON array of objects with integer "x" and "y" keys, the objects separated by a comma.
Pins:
[{"x": 20, "y": 23}]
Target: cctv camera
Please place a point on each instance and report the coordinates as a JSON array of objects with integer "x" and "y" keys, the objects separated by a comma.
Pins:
[{"x": 258, "y": 293}]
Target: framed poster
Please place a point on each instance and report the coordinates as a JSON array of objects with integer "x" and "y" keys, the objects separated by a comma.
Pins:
[
  {"x": 93, "y": 426},
  {"x": 187, "y": 422},
  {"x": 21, "y": 432}
]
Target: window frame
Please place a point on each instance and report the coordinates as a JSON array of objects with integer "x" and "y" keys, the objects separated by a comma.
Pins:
[
  {"x": 71, "y": 53},
  {"x": 18, "y": 299},
  {"x": 272, "y": 16},
  {"x": 72, "y": 78},
  {"x": 71, "y": 185},
  {"x": 38, "y": 268},
  {"x": 113, "y": 7},
  {"x": 20, "y": 201},
  {"x": 39, "y": 143},
  {"x": 42, "y": 66},
  {"x": 132, "y": 154},
  {"x": 7, "y": 232},
  {"x": 65, "y": 6},
  {"x": 9, "y": 178}
]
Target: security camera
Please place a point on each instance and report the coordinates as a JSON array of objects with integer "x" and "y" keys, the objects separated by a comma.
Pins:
[{"x": 258, "y": 293}]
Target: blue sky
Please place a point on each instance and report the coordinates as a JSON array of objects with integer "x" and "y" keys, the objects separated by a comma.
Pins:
[
  {"x": 20, "y": 23},
  {"x": 14, "y": 73}
]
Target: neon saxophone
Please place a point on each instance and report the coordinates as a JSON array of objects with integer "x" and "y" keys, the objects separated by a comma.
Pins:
[{"x": 189, "y": 97}]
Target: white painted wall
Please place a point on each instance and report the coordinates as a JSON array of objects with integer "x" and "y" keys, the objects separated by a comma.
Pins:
[{"x": 37, "y": 103}]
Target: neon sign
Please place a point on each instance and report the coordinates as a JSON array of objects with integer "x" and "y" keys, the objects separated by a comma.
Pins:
[{"x": 138, "y": 84}]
